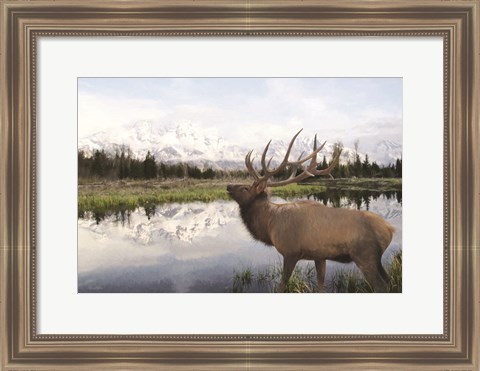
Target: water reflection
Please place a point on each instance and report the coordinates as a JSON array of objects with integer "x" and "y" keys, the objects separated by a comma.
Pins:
[
  {"x": 361, "y": 199},
  {"x": 121, "y": 214},
  {"x": 194, "y": 247}
]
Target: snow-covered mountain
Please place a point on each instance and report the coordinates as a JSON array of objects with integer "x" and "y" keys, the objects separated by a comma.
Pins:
[
  {"x": 184, "y": 142},
  {"x": 386, "y": 151},
  {"x": 168, "y": 143}
]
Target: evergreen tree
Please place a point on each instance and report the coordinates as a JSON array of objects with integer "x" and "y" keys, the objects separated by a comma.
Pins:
[
  {"x": 165, "y": 170},
  {"x": 179, "y": 170},
  {"x": 123, "y": 171},
  {"x": 324, "y": 164},
  {"x": 398, "y": 168},
  {"x": 149, "y": 166},
  {"x": 388, "y": 171},
  {"x": 83, "y": 164},
  {"x": 366, "y": 167},
  {"x": 209, "y": 173},
  {"x": 357, "y": 167},
  {"x": 376, "y": 172},
  {"x": 194, "y": 172},
  {"x": 99, "y": 165},
  {"x": 136, "y": 169}
]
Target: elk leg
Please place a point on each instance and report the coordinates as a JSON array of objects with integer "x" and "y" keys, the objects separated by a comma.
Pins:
[
  {"x": 288, "y": 267},
  {"x": 375, "y": 279},
  {"x": 320, "y": 266},
  {"x": 373, "y": 276},
  {"x": 382, "y": 272}
]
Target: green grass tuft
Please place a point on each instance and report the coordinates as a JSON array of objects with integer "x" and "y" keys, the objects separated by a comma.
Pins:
[
  {"x": 304, "y": 280},
  {"x": 352, "y": 282}
]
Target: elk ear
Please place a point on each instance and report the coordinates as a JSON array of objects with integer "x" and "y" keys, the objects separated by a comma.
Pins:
[{"x": 260, "y": 187}]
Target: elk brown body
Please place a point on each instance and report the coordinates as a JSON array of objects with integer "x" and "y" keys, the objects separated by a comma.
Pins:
[{"x": 310, "y": 230}]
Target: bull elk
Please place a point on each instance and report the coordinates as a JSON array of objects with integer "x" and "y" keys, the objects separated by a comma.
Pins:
[{"x": 308, "y": 229}]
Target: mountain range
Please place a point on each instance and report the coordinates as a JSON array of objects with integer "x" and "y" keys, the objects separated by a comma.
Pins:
[{"x": 184, "y": 142}]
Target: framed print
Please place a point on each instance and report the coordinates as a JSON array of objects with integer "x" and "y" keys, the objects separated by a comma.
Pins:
[
  {"x": 194, "y": 159},
  {"x": 239, "y": 185}
]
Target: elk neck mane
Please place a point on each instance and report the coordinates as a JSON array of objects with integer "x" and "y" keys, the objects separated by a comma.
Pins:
[{"x": 256, "y": 216}]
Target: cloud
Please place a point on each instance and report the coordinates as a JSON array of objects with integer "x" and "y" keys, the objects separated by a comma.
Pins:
[
  {"x": 98, "y": 113},
  {"x": 249, "y": 111}
]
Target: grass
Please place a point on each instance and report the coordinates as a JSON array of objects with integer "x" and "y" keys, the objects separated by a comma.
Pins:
[
  {"x": 395, "y": 274},
  {"x": 102, "y": 196},
  {"x": 351, "y": 282},
  {"x": 304, "y": 280},
  {"x": 122, "y": 195}
]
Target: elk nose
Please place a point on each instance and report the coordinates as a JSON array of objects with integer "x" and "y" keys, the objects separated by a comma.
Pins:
[{"x": 229, "y": 187}]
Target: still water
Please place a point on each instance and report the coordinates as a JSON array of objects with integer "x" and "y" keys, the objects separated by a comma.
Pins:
[{"x": 195, "y": 247}]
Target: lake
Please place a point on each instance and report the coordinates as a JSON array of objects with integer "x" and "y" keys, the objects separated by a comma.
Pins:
[{"x": 196, "y": 247}]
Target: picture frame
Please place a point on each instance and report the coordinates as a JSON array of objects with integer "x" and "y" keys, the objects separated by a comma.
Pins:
[{"x": 24, "y": 22}]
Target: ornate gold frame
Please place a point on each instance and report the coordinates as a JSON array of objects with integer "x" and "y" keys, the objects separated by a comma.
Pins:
[{"x": 22, "y": 22}]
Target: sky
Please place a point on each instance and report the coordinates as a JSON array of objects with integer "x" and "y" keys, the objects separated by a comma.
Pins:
[{"x": 248, "y": 111}]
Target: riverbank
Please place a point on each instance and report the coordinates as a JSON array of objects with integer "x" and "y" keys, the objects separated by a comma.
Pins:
[
  {"x": 130, "y": 194},
  {"x": 103, "y": 196},
  {"x": 359, "y": 184}
]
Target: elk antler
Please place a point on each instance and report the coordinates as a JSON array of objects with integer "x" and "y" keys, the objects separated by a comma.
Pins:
[{"x": 308, "y": 171}]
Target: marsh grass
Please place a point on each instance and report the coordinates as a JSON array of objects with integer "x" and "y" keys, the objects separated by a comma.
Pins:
[
  {"x": 121, "y": 195},
  {"x": 242, "y": 280},
  {"x": 352, "y": 282},
  {"x": 344, "y": 281},
  {"x": 267, "y": 279},
  {"x": 304, "y": 279},
  {"x": 113, "y": 201},
  {"x": 395, "y": 274}
]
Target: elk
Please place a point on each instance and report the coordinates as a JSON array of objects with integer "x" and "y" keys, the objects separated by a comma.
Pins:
[{"x": 307, "y": 229}]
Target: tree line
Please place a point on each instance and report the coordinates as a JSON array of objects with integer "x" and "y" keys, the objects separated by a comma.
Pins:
[
  {"x": 124, "y": 166},
  {"x": 365, "y": 169}
]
